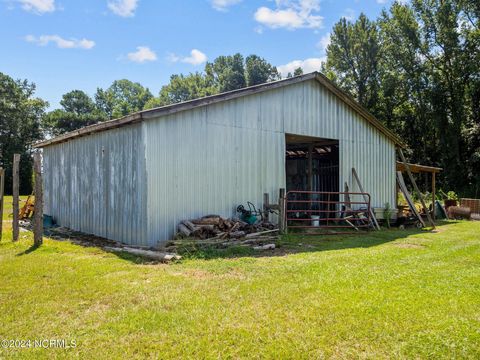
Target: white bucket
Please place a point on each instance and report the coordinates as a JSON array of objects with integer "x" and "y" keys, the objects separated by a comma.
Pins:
[{"x": 315, "y": 220}]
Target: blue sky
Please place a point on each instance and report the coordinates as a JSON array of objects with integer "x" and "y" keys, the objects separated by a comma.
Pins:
[{"x": 63, "y": 45}]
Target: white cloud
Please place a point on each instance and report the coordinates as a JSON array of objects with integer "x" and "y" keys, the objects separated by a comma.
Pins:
[
  {"x": 38, "y": 6},
  {"x": 324, "y": 42},
  {"x": 291, "y": 14},
  {"x": 223, "y": 5},
  {"x": 381, "y": 1},
  {"x": 307, "y": 65},
  {"x": 124, "y": 8},
  {"x": 143, "y": 54},
  {"x": 61, "y": 43},
  {"x": 196, "y": 58},
  {"x": 349, "y": 14}
]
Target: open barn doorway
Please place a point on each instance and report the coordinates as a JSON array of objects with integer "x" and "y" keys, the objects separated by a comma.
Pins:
[
  {"x": 312, "y": 164},
  {"x": 312, "y": 180}
]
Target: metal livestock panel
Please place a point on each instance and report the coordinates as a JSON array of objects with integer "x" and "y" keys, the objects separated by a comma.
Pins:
[
  {"x": 212, "y": 158},
  {"x": 97, "y": 184}
]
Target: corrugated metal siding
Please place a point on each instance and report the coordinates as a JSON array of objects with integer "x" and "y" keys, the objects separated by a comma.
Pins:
[
  {"x": 210, "y": 159},
  {"x": 96, "y": 184}
]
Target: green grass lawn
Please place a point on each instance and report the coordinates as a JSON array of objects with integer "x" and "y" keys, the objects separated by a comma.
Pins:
[
  {"x": 7, "y": 206},
  {"x": 393, "y": 294}
]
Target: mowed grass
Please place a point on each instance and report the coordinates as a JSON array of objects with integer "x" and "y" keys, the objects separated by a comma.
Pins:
[
  {"x": 389, "y": 294},
  {"x": 8, "y": 206}
]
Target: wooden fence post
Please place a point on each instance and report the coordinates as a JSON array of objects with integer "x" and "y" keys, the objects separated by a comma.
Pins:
[
  {"x": 38, "y": 212},
  {"x": 2, "y": 185},
  {"x": 16, "y": 195}
]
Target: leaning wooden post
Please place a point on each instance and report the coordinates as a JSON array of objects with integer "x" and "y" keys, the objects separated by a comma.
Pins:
[
  {"x": 38, "y": 212},
  {"x": 16, "y": 195},
  {"x": 420, "y": 196},
  {"x": 2, "y": 184},
  {"x": 282, "y": 212}
]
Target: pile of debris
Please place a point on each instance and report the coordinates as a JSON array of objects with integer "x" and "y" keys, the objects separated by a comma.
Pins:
[{"x": 214, "y": 230}]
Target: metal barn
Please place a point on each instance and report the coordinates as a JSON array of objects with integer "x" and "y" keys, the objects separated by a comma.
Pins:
[{"x": 133, "y": 179}]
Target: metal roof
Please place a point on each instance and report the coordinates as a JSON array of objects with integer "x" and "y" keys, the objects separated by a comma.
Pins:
[{"x": 187, "y": 105}]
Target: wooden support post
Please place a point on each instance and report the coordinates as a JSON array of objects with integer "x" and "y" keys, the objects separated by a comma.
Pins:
[
  {"x": 38, "y": 212},
  {"x": 282, "y": 212},
  {"x": 266, "y": 207},
  {"x": 420, "y": 196},
  {"x": 2, "y": 188},
  {"x": 16, "y": 195},
  {"x": 310, "y": 174},
  {"x": 433, "y": 195},
  {"x": 310, "y": 167}
]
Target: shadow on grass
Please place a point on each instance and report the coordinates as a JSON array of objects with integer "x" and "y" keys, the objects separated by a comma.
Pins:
[
  {"x": 288, "y": 244},
  {"x": 294, "y": 243},
  {"x": 29, "y": 250}
]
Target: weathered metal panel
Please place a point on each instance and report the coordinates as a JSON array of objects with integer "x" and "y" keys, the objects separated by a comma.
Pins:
[
  {"x": 97, "y": 184},
  {"x": 212, "y": 158}
]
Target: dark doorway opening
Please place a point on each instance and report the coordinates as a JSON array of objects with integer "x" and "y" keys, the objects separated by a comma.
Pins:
[{"x": 312, "y": 164}]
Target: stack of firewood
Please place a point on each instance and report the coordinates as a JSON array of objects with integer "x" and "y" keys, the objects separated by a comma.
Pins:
[{"x": 216, "y": 230}]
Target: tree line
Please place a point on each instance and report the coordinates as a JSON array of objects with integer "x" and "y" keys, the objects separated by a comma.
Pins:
[{"x": 415, "y": 67}]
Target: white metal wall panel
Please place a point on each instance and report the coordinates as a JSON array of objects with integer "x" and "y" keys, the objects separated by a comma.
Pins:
[
  {"x": 210, "y": 159},
  {"x": 96, "y": 184}
]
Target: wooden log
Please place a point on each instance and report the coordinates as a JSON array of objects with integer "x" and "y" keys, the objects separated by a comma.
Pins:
[
  {"x": 154, "y": 255},
  {"x": 182, "y": 229},
  {"x": 264, "y": 247},
  {"x": 16, "y": 196},
  {"x": 237, "y": 234},
  {"x": 214, "y": 220},
  {"x": 191, "y": 226},
  {"x": 2, "y": 188},
  {"x": 256, "y": 234},
  {"x": 38, "y": 214},
  {"x": 205, "y": 227}
]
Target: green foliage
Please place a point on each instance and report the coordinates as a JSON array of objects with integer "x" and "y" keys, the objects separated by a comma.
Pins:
[
  {"x": 59, "y": 121},
  {"x": 78, "y": 111},
  {"x": 225, "y": 73},
  {"x": 387, "y": 214},
  {"x": 416, "y": 68},
  {"x": 353, "y": 57},
  {"x": 452, "y": 195},
  {"x": 20, "y": 114},
  {"x": 259, "y": 71},
  {"x": 123, "y": 97},
  {"x": 183, "y": 88},
  {"x": 77, "y": 102}
]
